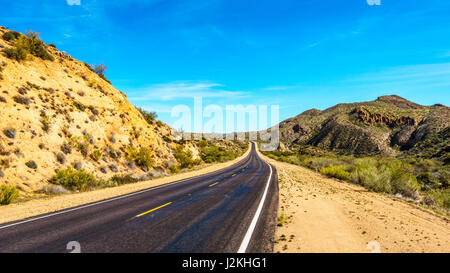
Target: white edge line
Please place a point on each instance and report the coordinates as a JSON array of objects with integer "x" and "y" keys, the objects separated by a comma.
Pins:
[
  {"x": 109, "y": 200},
  {"x": 252, "y": 226}
]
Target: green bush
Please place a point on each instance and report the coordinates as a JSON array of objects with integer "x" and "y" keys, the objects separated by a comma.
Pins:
[
  {"x": 8, "y": 194},
  {"x": 46, "y": 120},
  {"x": 124, "y": 179},
  {"x": 335, "y": 171},
  {"x": 29, "y": 44},
  {"x": 142, "y": 157},
  {"x": 76, "y": 179},
  {"x": 81, "y": 143},
  {"x": 210, "y": 153},
  {"x": 31, "y": 164},
  {"x": 96, "y": 155},
  {"x": 174, "y": 169},
  {"x": 185, "y": 158},
  {"x": 367, "y": 175},
  {"x": 11, "y": 35},
  {"x": 148, "y": 116}
]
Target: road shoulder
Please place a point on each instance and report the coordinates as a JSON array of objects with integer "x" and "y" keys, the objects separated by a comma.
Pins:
[{"x": 320, "y": 214}]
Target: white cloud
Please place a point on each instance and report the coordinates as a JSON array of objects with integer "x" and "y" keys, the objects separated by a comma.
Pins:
[
  {"x": 177, "y": 90},
  {"x": 73, "y": 2}
]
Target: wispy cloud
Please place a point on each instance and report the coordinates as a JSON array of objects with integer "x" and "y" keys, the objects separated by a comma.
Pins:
[
  {"x": 432, "y": 73},
  {"x": 178, "y": 90},
  {"x": 73, "y": 2}
]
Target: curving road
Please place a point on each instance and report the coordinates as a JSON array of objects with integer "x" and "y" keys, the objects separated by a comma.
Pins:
[{"x": 231, "y": 210}]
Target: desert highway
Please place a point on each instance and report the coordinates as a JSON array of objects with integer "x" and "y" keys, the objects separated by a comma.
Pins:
[{"x": 231, "y": 210}]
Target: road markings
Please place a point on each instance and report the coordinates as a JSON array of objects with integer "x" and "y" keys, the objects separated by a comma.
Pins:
[
  {"x": 64, "y": 211},
  {"x": 252, "y": 226},
  {"x": 212, "y": 185},
  {"x": 152, "y": 210}
]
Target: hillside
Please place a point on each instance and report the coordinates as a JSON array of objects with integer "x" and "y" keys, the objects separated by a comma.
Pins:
[
  {"x": 58, "y": 112},
  {"x": 389, "y": 145},
  {"x": 386, "y": 126}
]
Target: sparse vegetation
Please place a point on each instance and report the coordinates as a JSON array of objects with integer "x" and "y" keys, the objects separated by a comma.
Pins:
[
  {"x": 46, "y": 121},
  {"x": 76, "y": 180},
  {"x": 8, "y": 194},
  {"x": 335, "y": 171},
  {"x": 31, "y": 164},
  {"x": 185, "y": 157},
  {"x": 22, "y": 100},
  {"x": 142, "y": 157},
  {"x": 148, "y": 116},
  {"x": 210, "y": 153},
  {"x": 118, "y": 180},
  {"x": 96, "y": 155},
  {"x": 29, "y": 44},
  {"x": 10, "y": 132},
  {"x": 408, "y": 176},
  {"x": 11, "y": 35}
]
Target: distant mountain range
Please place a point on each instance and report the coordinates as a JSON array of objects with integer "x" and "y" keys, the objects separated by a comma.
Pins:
[{"x": 389, "y": 125}]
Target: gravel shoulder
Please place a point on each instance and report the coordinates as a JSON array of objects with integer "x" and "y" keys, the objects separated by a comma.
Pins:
[
  {"x": 22, "y": 210},
  {"x": 327, "y": 215}
]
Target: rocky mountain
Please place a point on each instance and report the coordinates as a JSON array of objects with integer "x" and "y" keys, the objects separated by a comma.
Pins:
[
  {"x": 57, "y": 112},
  {"x": 388, "y": 125}
]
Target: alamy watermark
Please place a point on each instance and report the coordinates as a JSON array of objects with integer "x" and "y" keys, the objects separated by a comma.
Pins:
[{"x": 211, "y": 121}]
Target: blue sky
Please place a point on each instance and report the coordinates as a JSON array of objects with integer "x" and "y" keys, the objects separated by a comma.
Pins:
[{"x": 296, "y": 54}]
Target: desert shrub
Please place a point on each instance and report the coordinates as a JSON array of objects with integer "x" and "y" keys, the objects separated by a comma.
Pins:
[
  {"x": 46, "y": 120},
  {"x": 174, "y": 169},
  {"x": 31, "y": 164},
  {"x": 167, "y": 139},
  {"x": 123, "y": 179},
  {"x": 29, "y": 44},
  {"x": 441, "y": 197},
  {"x": 335, "y": 171},
  {"x": 185, "y": 158},
  {"x": 61, "y": 158},
  {"x": 79, "y": 106},
  {"x": 142, "y": 156},
  {"x": 75, "y": 180},
  {"x": 11, "y": 35},
  {"x": 8, "y": 194},
  {"x": 18, "y": 54},
  {"x": 53, "y": 189},
  {"x": 148, "y": 116},
  {"x": 10, "y": 132},
  {"x": 367, "y": 175},
  {"x": 66, "y": 148},
  {"x": 81, "y": 143},
  {"x": 212, "y": 153},
  {"x": 402, "y": 179},
  {"x": 96, "y": 155},
  {"x": 21, "y": 100}
]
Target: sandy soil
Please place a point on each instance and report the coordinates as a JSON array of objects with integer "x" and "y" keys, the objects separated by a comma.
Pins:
[
  {"x": 327, "y": 215},
  {"x": 18, "y": 211}
]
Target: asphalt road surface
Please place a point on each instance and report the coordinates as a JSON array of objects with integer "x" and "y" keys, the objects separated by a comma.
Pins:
[{"x": 231, "y": 210}]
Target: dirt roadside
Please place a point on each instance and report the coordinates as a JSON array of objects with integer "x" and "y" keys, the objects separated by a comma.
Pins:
[
  {"x": 18, "y": 211},
  {"x": 326, "y": 215}
]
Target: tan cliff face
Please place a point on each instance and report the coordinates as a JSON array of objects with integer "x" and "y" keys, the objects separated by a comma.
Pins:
[{"x": 46, "y": 104}]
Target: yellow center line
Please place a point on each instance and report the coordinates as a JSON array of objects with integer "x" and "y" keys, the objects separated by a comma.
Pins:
[
  {"x": 153, "y": 209},
  {"x": 212, "y": 185}
]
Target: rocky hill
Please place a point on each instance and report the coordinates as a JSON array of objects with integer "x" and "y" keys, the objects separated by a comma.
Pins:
[
  {"x": 386, "y": 126},
  {"x": 57, "y": 112}
]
